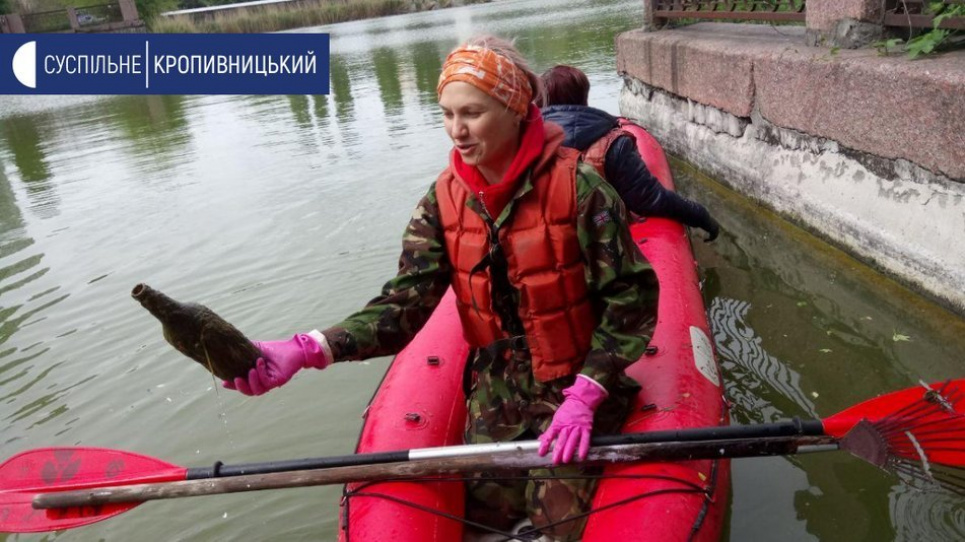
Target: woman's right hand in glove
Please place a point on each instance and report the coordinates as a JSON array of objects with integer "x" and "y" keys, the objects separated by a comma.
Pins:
[{"x": 280, "y": 361}]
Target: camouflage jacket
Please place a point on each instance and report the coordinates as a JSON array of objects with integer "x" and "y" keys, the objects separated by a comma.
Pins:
[{"x": 622, "y": 284}]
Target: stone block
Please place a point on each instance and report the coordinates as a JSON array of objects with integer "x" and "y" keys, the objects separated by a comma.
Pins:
[
  {"x": 849, "y": 24},
  {"x": 823, "y": 15},
  {"x": 72, "y": 17},
  {"x": 711, "y": 63},
  {"x": 128, "y": 10},
  {"x": 902, "y": 224},
  {"x": 11, "y": 23},
  {"x": 886, "y": 106}
]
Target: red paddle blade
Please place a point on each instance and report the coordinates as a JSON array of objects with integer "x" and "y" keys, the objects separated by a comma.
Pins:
[
  {"x": 922, "y": 439},
  {"x": 899, "y": 404},
  {"x": 62, "y": 469}
]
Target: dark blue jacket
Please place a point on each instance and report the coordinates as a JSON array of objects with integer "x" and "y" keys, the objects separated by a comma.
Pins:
[{"x": 624, "y": 168}]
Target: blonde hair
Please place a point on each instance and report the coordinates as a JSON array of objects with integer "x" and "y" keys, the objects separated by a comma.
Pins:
[{"x": 507, "y": 49}]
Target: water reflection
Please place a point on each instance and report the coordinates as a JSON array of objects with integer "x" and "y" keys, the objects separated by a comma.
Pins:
[
  {"x": 926, "y": 516},
  {"x": 341, "y": 84},
  {"x": 320, "y": 105},
  {"x": 571, "y": 44},
  {"x": 300, "y": 109},
  {"x": 761, "y": 385},
  {"x": 21, "y": 266},
  {"x": 846, "y": 500},
  {"x": 26, "y": 138},
  {"x": 427, "y": 60},
  {"x": 285, "y": 212},
  {"x": 155, "y": 127},
  {"x": 23, "y": 138},
  {"x": 261, "y": 108},
  {"x": 312, "y": 125},
  {"x": 10, "y": 217},
  {"x": 803, "y": 330},
  {"x": 385, "y": 63}
]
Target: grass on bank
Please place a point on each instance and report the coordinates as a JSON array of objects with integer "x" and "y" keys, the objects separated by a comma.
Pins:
[{"x": 274, "y": 17}]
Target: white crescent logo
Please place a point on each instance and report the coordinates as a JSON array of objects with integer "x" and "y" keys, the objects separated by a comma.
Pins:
[{"x": 25, "y": 64}]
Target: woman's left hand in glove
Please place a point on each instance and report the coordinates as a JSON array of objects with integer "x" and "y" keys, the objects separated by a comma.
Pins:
[{"x": 572, "y": 424}]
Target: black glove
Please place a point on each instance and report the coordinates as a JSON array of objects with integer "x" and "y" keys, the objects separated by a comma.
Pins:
[
  {"x": 704, "y": 221},
  {"x": 712, "y": 228}
]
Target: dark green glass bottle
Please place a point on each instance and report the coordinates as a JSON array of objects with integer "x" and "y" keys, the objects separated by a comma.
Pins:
[{"x": 197, "y": 332}]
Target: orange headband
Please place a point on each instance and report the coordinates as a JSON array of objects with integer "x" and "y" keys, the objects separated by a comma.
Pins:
[{"x": 491, "y": 73}]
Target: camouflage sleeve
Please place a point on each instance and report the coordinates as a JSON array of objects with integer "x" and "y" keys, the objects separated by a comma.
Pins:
[
  {"x": 619, "y": 279},
  {"x": 388, "y": 322}
]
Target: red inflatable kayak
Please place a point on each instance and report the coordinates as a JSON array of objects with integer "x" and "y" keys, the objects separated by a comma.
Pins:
[{"x": 420, "y": 404}]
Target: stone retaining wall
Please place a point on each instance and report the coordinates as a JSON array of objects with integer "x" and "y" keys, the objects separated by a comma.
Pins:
[{"x": 867, "y": 151}]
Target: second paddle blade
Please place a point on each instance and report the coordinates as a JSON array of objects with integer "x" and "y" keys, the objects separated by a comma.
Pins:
[{"x": 48, "y": 470}]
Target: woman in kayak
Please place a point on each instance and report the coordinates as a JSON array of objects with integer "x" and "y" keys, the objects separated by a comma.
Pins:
[
  {"x": 552, "y": 294},
  {"x": 613, "y": 152}
]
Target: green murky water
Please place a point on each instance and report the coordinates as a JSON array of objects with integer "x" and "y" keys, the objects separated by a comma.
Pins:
[
  {"x": 804, "y": 330},
  {"x": 284, "y": 213}
]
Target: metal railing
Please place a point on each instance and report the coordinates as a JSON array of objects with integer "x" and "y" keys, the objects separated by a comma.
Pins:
[
  {"x": 88, "y": 17},
  {"x": 100, "y": 14},
  {"x": 749, "y": 10},
  {"x": 46, "y": 21},
  {"x": 915, "y": 14}
]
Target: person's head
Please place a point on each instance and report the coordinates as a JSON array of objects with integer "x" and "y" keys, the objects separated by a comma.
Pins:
[
  {"x": 485, "y": 91},
  {"x": 565, "y": 85}
]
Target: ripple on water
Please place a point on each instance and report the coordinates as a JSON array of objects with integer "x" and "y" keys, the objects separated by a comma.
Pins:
[
  {"x": 750, "y": 367},
  {"x": 927, "y": 515},
  {"x": 24, "y": 105}
]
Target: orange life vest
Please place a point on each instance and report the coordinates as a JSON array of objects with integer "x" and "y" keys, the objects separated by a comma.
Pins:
[
  {"x": 595, "y": 154},
  {"x": 544, "y": 261}
]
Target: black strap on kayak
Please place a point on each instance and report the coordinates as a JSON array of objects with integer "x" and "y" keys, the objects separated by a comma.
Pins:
[
  {"x": 686, "y": 487},
  {"x": 712, "y": 488}
]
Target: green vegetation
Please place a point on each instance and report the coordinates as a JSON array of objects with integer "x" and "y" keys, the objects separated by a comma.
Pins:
[
  {"x": 143, "y": 6},
  {"x": 41, "y": 6},
  {"x": 933, "y": 40},
  {"x": 48, "y": 15},
  {"x": 150, "y": 9},
  {"x": 936, "y": 38},
  {"x": 193, "y": 4},
  {"x": 280, "y": 17}
]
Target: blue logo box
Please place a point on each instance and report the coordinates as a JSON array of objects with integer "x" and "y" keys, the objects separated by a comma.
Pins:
[{"x": 164, "y": 63}]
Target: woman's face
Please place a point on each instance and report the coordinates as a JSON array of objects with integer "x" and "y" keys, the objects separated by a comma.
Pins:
[{"x": 484, "y": 131}]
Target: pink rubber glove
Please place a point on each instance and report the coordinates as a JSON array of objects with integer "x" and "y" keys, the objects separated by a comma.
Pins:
[
  {"x": 280, "y": 361},
  {"x": 573, "y": 422}
]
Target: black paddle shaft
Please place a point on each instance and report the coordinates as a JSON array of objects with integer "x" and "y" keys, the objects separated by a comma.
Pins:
[
  {"x": 219, "y": 470},
  {"x": 795, "y": 427},
  {"x": 790, "y": 428}
]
